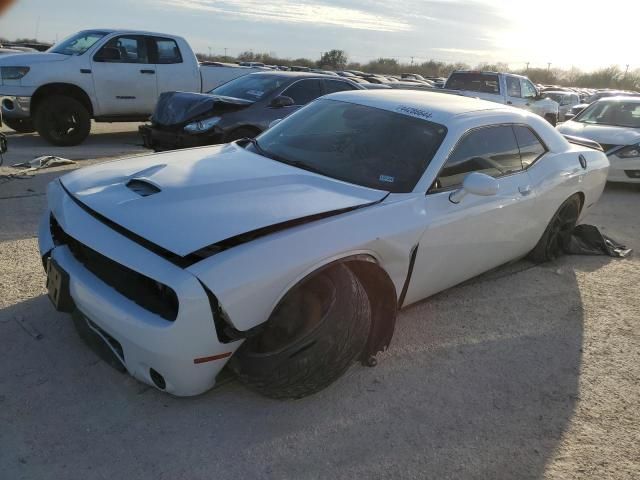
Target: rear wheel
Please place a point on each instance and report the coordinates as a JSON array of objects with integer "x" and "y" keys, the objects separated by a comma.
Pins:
[
  {"x": 311, "y": 339},
  {"x": 62, "y": 121},
  {"x": 558, "y": 231},
  {"x": 20, "y": 125}
]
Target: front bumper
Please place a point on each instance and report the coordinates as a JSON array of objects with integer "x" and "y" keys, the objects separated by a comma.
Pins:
[
  {"x": 15, "y": 107},
  {"x": 145, "y": 342},
  {"x": 625, "y": 170},
  {"x": 160, "y": 140}
]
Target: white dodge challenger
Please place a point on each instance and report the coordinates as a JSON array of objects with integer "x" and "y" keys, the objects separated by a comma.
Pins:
[{"x": 288, "y": 257}]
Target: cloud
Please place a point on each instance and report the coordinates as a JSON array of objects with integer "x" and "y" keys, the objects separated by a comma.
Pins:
[{"x": 291, "y": 11}]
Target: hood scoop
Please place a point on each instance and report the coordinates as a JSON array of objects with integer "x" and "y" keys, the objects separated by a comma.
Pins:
[{"x": 142, "y": 187}]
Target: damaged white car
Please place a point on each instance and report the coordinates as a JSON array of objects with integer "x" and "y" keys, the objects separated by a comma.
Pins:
[{"x": 287, "y": 257}]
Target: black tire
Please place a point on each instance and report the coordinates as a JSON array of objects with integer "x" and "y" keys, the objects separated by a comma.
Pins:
[
  {"x": 62, "y": 121},
  {"x": 557, "y": 233},
  {"x": 551, "y": 118},
  {"x": 242, "y": 132},
  {"x": 311, "y": 339},
  {"x": 20, "y": 125}
]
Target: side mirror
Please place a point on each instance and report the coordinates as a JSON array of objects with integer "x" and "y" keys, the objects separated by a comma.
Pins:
[
  {"x": 477, "y": 184},
  {"x": 275, "y": 122},
  {"x": 282, "y": 101},
  {"x": 108, "y": 54}
]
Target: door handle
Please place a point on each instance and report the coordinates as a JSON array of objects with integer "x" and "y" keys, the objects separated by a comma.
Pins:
[
  {"x": 528, "y": 104},
  {"x": 149, "y": 72},
  {"x": 509, "y": 102},
  {"x": 525, "y": 190}
]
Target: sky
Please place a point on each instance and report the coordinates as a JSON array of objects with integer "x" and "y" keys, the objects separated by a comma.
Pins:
[{"x": 567, "y": 33}]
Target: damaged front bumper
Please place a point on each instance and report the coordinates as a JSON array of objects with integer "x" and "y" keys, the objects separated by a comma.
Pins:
[
  {"x": 179, "y": 354},
  {"x": 164, "y": 139}
]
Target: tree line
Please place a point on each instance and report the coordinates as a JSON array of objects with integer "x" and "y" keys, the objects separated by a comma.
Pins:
[{"x": 606, "y": 77}]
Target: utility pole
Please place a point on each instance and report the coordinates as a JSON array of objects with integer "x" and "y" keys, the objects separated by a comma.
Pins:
[
  {"x": 412, "y": 61},
  {"x": 209, "y": 52},
  {"x": 527, "y": 67},
  {"x": 626, "y": 71},
  {"x": 548, "y": 66},
  {"x": 225, "y": 53}
]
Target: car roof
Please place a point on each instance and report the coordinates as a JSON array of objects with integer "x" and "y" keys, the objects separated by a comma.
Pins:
[
  {"x": 620, "y": 98},
  {"x": 286, "y": 74},
  {"x": 434, "y": 106}
]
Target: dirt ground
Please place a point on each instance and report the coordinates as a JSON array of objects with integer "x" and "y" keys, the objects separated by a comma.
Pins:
[{"x": 527, "y": 372}]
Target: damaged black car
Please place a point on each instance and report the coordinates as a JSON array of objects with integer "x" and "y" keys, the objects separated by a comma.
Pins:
[{"x": 241, "y": 108}]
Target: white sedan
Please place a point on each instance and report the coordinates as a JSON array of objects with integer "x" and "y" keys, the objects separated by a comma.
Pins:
[
  {"x": 288, "y": 256},
  {"x": 614, "y": 123}
]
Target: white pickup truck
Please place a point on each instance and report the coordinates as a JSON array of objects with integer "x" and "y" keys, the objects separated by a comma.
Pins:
[
  {"x": 105, "y": 75},
  {"x": 505, "y": 88}
]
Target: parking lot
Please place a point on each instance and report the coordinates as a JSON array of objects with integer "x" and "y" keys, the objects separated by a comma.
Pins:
[{"x": 526, "y": 372}]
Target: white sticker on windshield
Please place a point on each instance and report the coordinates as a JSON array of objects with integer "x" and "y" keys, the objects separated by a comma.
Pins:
[
  {"x": 387, "y": 178},
  {"x": 414, "y": 112},
  {"x": 255, "y": 93}
]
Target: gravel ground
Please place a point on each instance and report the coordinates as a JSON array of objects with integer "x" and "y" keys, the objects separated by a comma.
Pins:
[{"x": 526, "y": 372}]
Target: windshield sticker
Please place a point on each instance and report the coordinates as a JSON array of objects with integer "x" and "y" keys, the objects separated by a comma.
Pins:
[
  {"x": 255, "y": 93},
  {"x": 387, "y": 178},
  {"x": 414, "y": 112}
]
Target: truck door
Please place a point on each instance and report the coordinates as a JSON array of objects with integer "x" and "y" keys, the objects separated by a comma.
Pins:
[
  {"x": 176, "y": 72},
  {"x": 513, "y": 93},
  {"x": 124, "y": 77}
]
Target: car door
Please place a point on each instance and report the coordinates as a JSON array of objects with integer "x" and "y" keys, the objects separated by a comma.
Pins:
[
  {"x": 124, "y": 77},
  {"x": 173, "y": 72},
  {"x": 479, "y": 233},
  {"x": 529, "y": 95},
  {"x": 514, "y": 92}
]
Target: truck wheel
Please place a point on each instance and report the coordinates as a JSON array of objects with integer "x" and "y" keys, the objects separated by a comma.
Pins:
[
  {"x": 311, "y": 339},
  {"x": 551, "y": 118},
  {"x": 20, "y": 125},
  {"x": 558, "y": 231},
  {"x": 62, "y": 121}
]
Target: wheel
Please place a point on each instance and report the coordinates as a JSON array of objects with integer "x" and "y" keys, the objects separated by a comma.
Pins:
[
  {"x": 62, "y": 121},
  {"x": 551, "y": 118},
  {"x": 311, "y": 339},
  {"x": 20, "y": 125},
  {"x": 241, "y": 132},
  {"x": 558, "y": 231}
]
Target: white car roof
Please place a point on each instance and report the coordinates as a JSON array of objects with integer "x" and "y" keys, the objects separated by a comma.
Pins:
[
  {"x": 432, "y": 106},
  {"x": 620, "y": 98}
]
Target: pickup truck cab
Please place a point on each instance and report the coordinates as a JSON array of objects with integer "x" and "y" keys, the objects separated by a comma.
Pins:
[
  {"x": 505, "y": 88},
  {"x": 105, "y": 75}
]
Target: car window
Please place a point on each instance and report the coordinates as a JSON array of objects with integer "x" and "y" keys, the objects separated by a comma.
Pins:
[
  {"x": 331, "y": 86},
  {"x": 531, "y": 148},
  {"x": 611, "y": 112},
  {"x": 355, "y": 143},
  {"x": 476, "y": 82},
  {"x": 304, "y": 91},
  {"x": 513, "y": 87},
  {"x": 254, "y": 87},
  {"x": 489, "y": 150},
  {"x": 528, "y": 90},
  {"x": 132, "y": 49},
  {"x": 167, "y": 51}
]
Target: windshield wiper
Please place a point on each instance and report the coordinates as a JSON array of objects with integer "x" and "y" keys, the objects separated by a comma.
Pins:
[{"x": 256, "y": 145}]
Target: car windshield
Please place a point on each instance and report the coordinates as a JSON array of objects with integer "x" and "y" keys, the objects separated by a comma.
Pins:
[
  {"x": 77, "y": 44},
  {"x": 252, "y": 87},
  {"x": 363, "y": 145},
  {"x": 615, "y": 113},
  {"x": 556, "y": 97}
]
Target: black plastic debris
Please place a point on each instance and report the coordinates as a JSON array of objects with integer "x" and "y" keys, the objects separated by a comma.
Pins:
[{"x": 589, "y": 240}]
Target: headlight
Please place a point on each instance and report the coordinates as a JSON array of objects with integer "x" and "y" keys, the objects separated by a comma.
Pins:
[
  {"x": 13, "y": 73},
  {"x": 202, "y": 125},
  {"x": 632, "y": 151}
]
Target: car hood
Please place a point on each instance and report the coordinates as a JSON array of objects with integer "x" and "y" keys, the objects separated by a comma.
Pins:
[
  {"x": 28, "y": 59},
  {"x": 603, "y": 134},
  {"x": 199, "y": 197},
  {"x": 177, "y": 108}
]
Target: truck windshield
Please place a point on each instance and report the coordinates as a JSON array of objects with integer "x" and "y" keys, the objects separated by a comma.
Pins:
[
  {"x": 252, "y": 87},
  {"x": 78, "y": 43},
  {"x": 354, "y": 143},
  {"x": 474, "y": 81}
]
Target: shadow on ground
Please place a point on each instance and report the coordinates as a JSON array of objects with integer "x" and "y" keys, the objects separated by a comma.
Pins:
[{"x": 480, "y": 382}]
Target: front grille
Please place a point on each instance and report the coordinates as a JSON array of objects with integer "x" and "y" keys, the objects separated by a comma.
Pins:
[
  {"x": 632, "y": 173},
  {"x": 144, "y": 291}
]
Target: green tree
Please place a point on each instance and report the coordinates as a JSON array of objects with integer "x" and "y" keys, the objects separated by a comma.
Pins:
[{"x": 333, "y": 59}]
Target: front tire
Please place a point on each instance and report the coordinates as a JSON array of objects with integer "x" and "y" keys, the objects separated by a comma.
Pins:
[
  {"x": 20, "y": 125},
  {"x": 311, "y": 339},
  {"x": 62, "y": 121},
  {"x": 558, "y": 232}
]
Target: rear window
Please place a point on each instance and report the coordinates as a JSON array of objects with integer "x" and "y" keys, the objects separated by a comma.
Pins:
[{"x": 476, "y": 82}]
